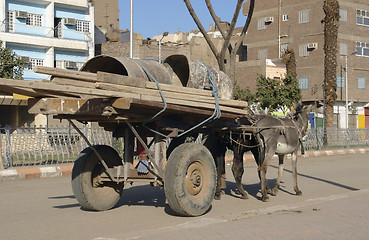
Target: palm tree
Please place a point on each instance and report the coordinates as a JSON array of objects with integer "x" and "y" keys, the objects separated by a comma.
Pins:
[{"x": 331, "y": 24}]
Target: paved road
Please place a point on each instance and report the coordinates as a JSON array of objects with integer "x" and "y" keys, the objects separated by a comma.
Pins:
[{"x": 334, "y": 205}]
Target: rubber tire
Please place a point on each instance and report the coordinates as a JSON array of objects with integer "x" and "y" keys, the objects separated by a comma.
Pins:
[
  {"x": 186, "y": 159},
  {"x": 88, "y": 167}
]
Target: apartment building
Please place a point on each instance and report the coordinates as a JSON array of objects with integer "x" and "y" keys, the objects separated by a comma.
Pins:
[
  {"x": 55, "y": 33},
  {"x": 297, "y": 24}
]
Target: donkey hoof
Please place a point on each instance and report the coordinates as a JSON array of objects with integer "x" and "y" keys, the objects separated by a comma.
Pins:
[
  {"x": 244, "y": 196},
  {"x": 298, "y": 193},
  {"x": 274, "y": 191},
  {"x": 265, "y": 199},
  {"x": 269, "y": 191},
  {"x": 217, "y": 196}
]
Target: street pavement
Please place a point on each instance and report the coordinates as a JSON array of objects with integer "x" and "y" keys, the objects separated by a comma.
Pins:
[
  {"x": 28, "y": 172},
  {"x": 334, "y": 205},
  {"x": 339, "y": 217}
]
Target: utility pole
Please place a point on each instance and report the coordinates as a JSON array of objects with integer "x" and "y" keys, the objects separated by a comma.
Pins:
[{"x": 131, "y": 33}]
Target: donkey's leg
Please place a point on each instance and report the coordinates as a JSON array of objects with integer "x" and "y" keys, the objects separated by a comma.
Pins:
[
  {"x": 237, "y": 170},
  {"x": 262, "y": 174},
  {"x": 267, "y": 188},
  {"x": 280, "y": 173},
  {"x": 294, "y": 173},
  {"x": 218, "y": 160}
]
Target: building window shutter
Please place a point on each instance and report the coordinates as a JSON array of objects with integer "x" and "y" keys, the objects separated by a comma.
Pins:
[
  {"x": 343, "y": 15},
  {"x": 304, "y": 83},
  {"x": 263, "y": 54},
  {"x": 340, "y": 81},
  {"x": 304, "y": 16},
  {"x": 361, "y": 83},
  {"x": 343, "y": 49},
  {"x": 261, "y": 24},
  {"x": 303, "y": 50}
]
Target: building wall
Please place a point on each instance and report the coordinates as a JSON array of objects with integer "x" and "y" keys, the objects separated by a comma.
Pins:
[
  {"x": 107, "y": 18},
  {"x": 296, "y": 34},
  {"x": 34, "y": 37}
]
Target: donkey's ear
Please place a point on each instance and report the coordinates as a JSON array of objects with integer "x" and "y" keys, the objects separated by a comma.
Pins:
[
  {"x": 308, "y": 107},
  {"x": 293, "y": 109}
]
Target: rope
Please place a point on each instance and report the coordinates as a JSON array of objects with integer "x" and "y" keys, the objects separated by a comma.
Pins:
[
  {"x": 216, "y": 114},
  {"x": 240, "y": 144},
  {"x": 152, "y": 78}
]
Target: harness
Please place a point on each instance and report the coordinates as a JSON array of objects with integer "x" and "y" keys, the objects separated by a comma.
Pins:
[{"x": 282, "y": 130}]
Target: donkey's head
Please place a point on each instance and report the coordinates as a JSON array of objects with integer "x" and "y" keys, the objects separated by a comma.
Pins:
[{"x": 300, "y": 115}]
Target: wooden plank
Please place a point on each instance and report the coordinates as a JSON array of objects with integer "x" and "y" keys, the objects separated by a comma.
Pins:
[
  {"x": 195, "y": 104},
  {"x": 22, "y": 91},
  {"x": 35, "y": 93},
  {"x": 120, "y": 79},
  {"x": 72, "y": 82},
  {"x": 58, "y": 72},
  {"x": 64, "y": 89},
  {"x": 172, "y": 88},
  {"x": 76, "y": 106},
  {"x": 174, "y": 95},
  {"x": 180, "y": 109},
  {"x": 173, "y": 98}
]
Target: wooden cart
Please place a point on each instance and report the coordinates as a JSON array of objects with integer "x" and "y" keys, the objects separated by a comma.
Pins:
[{"x": 132, "y": 108}]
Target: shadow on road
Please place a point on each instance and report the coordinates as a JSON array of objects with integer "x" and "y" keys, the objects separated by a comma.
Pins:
[
  {"x": 143, "y": 195},
  {"x": 321, "y": 179}
]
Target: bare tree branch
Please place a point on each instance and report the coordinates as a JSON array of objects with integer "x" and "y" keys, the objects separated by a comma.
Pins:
[
  {"x": 226, "y": 43},
  {"x": 245, "y": 27},
  {"x": 220, "y": 56},
  {"x": 215, "y": 18},
  {"x": 202, "y": 29}
]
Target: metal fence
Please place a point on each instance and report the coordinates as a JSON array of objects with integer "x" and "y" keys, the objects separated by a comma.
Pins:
[
  {"x": 52, "y": 145},
  {"x": 336, "y": 138},
  {"x": 28, "y": 146}
]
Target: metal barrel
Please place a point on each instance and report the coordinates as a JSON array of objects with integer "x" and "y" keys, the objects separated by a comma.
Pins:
[
  {"x": 196, "y": 74},
  {"x": 128, "y": 67}
]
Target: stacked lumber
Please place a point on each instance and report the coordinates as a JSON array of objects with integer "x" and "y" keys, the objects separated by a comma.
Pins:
[{"x": 69, "y": 84}]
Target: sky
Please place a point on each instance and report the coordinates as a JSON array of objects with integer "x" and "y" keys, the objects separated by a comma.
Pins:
[{"x": 153, "y": 17}]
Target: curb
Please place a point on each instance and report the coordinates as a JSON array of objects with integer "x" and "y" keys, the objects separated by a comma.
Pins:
[
  {"x": 23, "y": 173},
  {"x": 35, "y": 172}
]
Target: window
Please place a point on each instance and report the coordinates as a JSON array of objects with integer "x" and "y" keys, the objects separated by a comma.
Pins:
[
  {"x": 283, "y": 48},
  {"x": 343, "y": 49},
  {"x": 263, "y": 54},
  {"x": 35, "y": 62},
  {"x": 304, "y": 83},
  {"x": 10, "y": 21},
  {"x": 340, "y": 81},
  {"x": 83, "y": 26},
  {"x": 34, "y": 19},
  {"x": 304, "y": 16},
  {"x": 303, "y": 50},
  {"x": 362, "y": 17},
  {"x": 361, "y": 83},
  {"x": 261, "y": 24},
  {"x": 285, "y": 17},
  {"x": 244, "y": 53},
  {"x": 362, "y": 49},
  {"x": 343, "y": 15}
]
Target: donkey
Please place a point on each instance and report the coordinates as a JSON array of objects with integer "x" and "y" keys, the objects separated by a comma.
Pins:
[
  {"x": 273, "y": 135},
  {"x": 218, "y": 143}
]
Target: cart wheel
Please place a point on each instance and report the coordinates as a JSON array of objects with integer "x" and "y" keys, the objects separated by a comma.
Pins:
[
  {"x": 190, "y": 179},
  {"x": 91, "y": 192}
]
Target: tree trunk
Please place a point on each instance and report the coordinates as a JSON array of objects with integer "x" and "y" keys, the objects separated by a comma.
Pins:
[
  {"x": 220, "y": 55},
  {"x": 289, "y": 59},
  {"x": 331, "y": 24}
]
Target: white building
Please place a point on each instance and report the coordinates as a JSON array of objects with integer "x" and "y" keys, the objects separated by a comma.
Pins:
[{"x": 55, "y": 33}]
